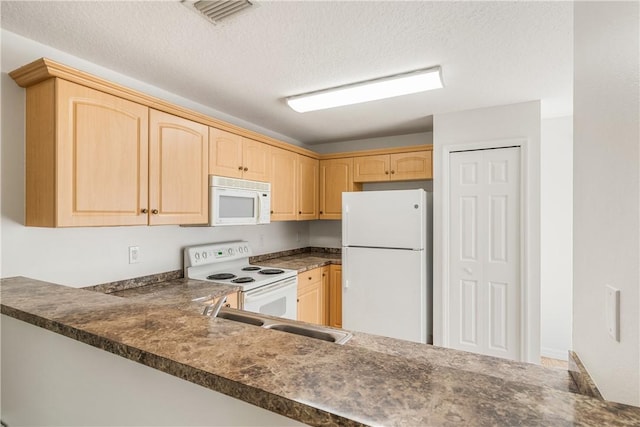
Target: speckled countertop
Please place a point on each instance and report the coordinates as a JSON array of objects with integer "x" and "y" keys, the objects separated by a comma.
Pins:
[
  {"x": 369, "y": 381},
  {"x": 302, "y": 261}
]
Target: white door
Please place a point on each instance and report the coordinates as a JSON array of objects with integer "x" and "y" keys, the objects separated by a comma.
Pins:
[
  {"x": 384, "y": 292},
  {"x": 484, "y": 286},
  {"x": 385, "y": 219}
]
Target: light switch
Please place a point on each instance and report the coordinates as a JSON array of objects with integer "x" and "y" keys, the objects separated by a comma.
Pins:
[{"x": 613, "y": 312}]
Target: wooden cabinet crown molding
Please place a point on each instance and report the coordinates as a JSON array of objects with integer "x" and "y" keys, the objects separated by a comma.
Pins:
[
  {"x": 44, "y": 68},
  {"x": 377, "y": 152}
]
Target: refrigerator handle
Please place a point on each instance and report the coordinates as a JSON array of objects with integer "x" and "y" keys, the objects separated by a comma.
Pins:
[{"x": 345, "y": 276}]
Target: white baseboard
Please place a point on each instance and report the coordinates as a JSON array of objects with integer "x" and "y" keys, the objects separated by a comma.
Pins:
[{"x": 554, "y": 353}]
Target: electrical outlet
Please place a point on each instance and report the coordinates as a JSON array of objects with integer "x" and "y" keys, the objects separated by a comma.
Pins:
[
  {"x": 612, "y": 312},
  {"x": 134, "y": 254}
]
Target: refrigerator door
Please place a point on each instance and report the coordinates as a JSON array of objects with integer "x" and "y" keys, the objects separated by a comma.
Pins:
[
  {"x": 384, "y": 219},
  {"x": 384, "y": 292}
]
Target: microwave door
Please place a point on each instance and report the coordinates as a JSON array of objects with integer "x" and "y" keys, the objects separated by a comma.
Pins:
[{"x": 234, "y": 207}]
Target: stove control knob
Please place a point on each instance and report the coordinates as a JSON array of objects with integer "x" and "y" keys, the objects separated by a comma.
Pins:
[
  {"x": 204, "y": 255},
  {"x": 197, "y": 256},
  {"x": 246, "y": 249},
  {"x": 230, "y": 251}
]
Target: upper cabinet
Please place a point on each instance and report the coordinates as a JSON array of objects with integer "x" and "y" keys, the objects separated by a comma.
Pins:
[
  {"x": 178, "y": 170},
  {"x": 235, "y": 156},
  {"x": 336, "y": 177},
  {"x": 86, "y": 157},
  {"x": 93, "y": 159},
  {"x": 284, "y": 183},
  {"x": 294, "y": 186},
  {"x": 393, "y": 167},
  {"x": 307, "y": 188}
]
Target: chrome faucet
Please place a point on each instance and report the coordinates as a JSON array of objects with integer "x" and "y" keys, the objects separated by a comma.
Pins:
[{"x": 214, "y": 308}]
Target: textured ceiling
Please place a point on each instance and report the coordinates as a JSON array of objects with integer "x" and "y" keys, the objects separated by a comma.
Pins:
[{"x": 491, "y": 53}]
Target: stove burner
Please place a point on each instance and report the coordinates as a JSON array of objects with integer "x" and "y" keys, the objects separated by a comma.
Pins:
[
  {"x": 251, "y": 268},
  {"x": 221, "y": 276},
  {"x": 271, "y": 271},
  {"x": 243, "y": 280}
]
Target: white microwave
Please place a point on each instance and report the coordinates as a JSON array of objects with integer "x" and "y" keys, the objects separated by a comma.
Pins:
[{"x": 238, "y": 201}]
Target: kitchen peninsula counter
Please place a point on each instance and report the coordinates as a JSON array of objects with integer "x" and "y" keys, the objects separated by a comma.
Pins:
[{"x": 369, "y": 381}]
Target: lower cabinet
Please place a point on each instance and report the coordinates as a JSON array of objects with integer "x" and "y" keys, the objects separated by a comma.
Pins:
[
  {"x": 320, "y": 296},
  {"x": 311, "y": 306}
]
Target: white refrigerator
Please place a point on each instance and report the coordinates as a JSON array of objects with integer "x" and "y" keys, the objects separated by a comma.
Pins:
[{"x": 386, "y": 263}]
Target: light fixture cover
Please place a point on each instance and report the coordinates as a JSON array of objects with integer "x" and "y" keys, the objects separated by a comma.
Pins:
[{"x": 370, "y": 90}]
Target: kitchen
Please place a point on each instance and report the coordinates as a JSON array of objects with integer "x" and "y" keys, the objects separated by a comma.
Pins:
[{"x": 91, "y": 265}]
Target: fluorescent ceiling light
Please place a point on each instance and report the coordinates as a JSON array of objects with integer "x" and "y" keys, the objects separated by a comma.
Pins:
[{"x": 371, "y": 90}]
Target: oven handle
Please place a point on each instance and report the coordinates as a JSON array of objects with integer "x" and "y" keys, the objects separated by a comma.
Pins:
[{"x": 293, "y": 281}]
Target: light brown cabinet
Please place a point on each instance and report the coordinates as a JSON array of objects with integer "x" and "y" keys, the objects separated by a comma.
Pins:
[
  {"x": 311, "y": 299},
  {"x": 294, "y": 186},
  {"x": 336, "y": 177},
  {"x": 284, "y": 202},
  {"x": 393, "y": 167},
  {"x": 94, "y": 159},
  {"x": 335, "y": 296},
  {"x": 307, "y": 188},
  {"x": 235, "y": 156},
  {"x": 178, "y": 170}
]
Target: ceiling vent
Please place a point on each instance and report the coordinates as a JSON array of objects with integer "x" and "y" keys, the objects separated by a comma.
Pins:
[{"x": 215, "y": 11}]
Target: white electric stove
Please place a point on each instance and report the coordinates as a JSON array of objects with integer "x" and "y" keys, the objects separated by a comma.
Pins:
[{"x": 266, "y": 290}]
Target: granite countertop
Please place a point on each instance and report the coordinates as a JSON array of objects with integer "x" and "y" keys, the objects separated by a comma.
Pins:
[
  {"x": 299, "y": 261},
  {"x": 369, "y": 381}
]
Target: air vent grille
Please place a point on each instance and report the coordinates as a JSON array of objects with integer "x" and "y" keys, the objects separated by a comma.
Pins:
[{"x": 218, "y": 10}]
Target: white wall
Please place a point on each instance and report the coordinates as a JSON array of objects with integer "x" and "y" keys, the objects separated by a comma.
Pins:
[
  {"x": 606, "y": 194},
  {"x": 521, "y": 121},
  {"x": 556, "y": 227},
  {"x": 87, "y": 256}
]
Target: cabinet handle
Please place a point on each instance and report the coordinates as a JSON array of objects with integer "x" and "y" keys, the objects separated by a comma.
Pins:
[
  {"x": 271, "y": 211},
  {"x": 309, "y": 277},
  {"x": 321, "y": 212},
  {"x": 154, "y": 211},
  {"x": 299, "y": 212},
  {"x": 239, "y": 168},
  {"x": 386, "y": 172},
  {"x": 245, "y": 169},
  {"x": 392, "y": 172},
  {"x": 144, "y": 210},
  {"x": 297, "y": 299}
]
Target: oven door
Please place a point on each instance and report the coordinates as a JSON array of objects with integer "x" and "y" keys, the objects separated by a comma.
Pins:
[
  {"x": 233, "y": 207},
  {"x": 277, "y": 299}
]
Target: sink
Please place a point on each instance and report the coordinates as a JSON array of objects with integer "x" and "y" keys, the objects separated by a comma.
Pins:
[
  {"x": 290, "y": 326},
  {"x": 238, "y": 317},
  {"x": 302, "y": 331}
]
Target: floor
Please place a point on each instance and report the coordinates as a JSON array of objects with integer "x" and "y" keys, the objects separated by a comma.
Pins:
[{"x": 554, "y": 363}]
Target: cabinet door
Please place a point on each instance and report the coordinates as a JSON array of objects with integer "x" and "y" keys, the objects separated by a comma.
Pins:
[
  {"x": 335, "y": 296},
  {"x": 407, "y": 166},
  {"x": 336, "y": 177},
  {"x": 307, "y": 188},
  {"x": 256, "y": 160},
  {"x": 225, "y": 153},
  {"x": 283, "y": 185},
  {"x": 371, "y": 168},
  {"x": 326, "y": 282},
  {"x": 310, "y": 299},
  {"x": 178, "y": 170},
  {"x": 101, "y": 158}
]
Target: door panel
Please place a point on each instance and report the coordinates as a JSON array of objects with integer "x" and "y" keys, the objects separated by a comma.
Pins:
[
  {"x": 387, "y": 219},
  {"x": 178, "y": 170},
  {"x": 370, "y": 287},
  {"x": 484, "y": 287},
  {"x": 225, "y": 153}
]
